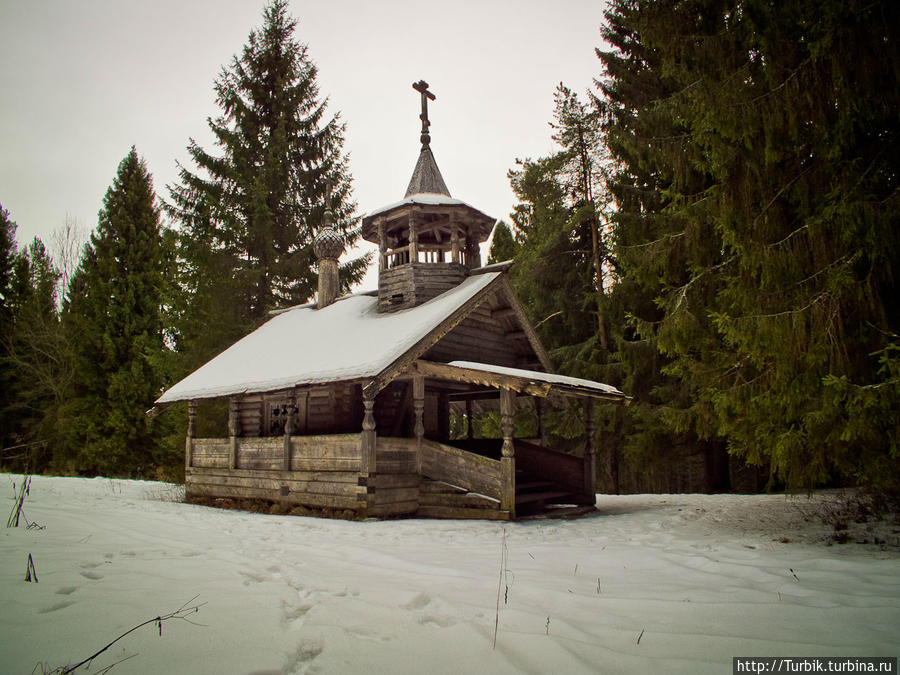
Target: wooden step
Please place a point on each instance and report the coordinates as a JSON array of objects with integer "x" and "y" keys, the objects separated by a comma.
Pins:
[
  {"x": 552, "y": 496},
  {"x": 531, "y": 485},
  {"x": 452, "y": 512}
]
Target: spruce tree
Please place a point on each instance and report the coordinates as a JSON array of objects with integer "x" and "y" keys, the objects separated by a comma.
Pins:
[
  {"x": 503, "y": 244},
  {"x": 249, "y": 213},
  {"x": 768, "y": 134},
  {"x": 34, "y": 357},
  {"x": 113, "y": 317},
  {"x": 8, "y": 251}
]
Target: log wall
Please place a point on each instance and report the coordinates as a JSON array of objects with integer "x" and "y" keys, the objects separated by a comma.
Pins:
[
  {"x": 325, "y": 473},
  {"x": 324, "y": 470},
  {"x": 479, "y": 337},
  {"x": 397, "y": 479},
  {"x": 414, "y": 283},
  {"x": 323, "y": 409}
]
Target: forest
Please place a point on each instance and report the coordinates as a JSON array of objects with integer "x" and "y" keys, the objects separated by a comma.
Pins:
[{"x": 716, "y": 234}]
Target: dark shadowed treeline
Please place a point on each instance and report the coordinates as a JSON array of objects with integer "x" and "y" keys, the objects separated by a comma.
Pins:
[
  {"x": 162, "y": 287},
  {"x": 753, "y": 241}
]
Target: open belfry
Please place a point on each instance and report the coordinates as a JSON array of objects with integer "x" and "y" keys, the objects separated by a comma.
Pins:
[
  {"x": 370, "y": 406},
  {"x": 428, "y": 242}
]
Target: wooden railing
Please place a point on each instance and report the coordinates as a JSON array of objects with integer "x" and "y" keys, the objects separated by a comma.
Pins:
[
  {"x": 464, "y": 469},
  {"x": 559, "y": 467}
]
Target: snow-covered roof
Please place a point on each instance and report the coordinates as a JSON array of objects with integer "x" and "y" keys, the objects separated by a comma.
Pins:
[
  {"x": 348, "y": 339},
  {"x": 425, "y": 199},
  {"x": 550, "y": 378}
]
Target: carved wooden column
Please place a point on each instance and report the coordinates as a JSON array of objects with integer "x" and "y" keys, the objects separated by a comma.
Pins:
[
  {"x": 234, "y": 430},
  {"x": 189, "y": 440},
  {"x": 289, "y": 425},
  {"x": 365, "y": 492},
  {"x": 454, "y": 245},
  {"x": 419, "y": 414},
  {"x": 590, "y": 458},
  {"x": 368, "y": 436},
  {"x": 508, "y": 459}
]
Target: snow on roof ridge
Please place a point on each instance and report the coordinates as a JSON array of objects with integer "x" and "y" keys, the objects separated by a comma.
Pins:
[
  {"x": 428, "y": 198},
  {"x": 313, "y": 304},
  {"x": 545, "y": 377}
]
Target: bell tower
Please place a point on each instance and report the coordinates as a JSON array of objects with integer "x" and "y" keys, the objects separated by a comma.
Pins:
[{"x": 428, "y": 241}]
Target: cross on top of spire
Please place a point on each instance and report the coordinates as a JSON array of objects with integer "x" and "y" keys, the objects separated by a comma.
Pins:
[{"x": 422, "y": 87}]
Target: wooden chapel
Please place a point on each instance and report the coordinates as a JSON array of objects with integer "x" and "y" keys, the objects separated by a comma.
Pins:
[{"x": 356, "y": 413}]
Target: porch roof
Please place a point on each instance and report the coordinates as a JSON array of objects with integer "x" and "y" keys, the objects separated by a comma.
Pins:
[{"x": 524, "y": 381}]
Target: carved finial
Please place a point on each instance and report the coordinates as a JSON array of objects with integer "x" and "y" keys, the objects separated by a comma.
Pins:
[
  {"x": 422, "y": 87},
  {"x": 328, "y": 216}
]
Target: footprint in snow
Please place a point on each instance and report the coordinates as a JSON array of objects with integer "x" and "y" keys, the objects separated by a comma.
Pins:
[
  {"x": 94, "y": 576},
  {"x": 306, "y": 651},
  {"x": 62, "y": 604},
  {"x": 67, "y": 590},
  {"x": 420, "y": 601}
]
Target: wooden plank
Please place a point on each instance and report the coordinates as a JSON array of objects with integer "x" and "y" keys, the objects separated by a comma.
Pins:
[
  {"x": 392, "y": 510},
  {"x": 400, "y": 480},
  {"x": 473, "y": 472},
  {"x": 305, "y": 498},
  {"x": 485, "y": 378},
  {"x": 274, "y": 487},
  {"x": 330, "y": 446},
  {"x": 461, "y": 513},
  {"x": 393, "y": 495},
  {"x": 325, "y": 476},
  {"x": 465, "y": 500}
]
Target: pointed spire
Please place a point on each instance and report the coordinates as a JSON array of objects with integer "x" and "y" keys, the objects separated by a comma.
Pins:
[{"x": 426, "y": 176}]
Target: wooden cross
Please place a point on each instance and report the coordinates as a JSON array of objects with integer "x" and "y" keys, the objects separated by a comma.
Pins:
[{"x": 422, "y": 87}]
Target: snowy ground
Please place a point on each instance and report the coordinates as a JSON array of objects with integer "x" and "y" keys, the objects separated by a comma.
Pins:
[{"x": 652, "y": 583}]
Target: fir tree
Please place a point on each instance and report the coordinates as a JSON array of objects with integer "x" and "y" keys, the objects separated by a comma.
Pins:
[
  {"x": 584, "y": 175},
  {"x": 503, "y": 244},
  {"x": 36, "y": 362},
  {"x": 249, "y": 214},
  {"x": 8, "y": 251},
  {"x": 114, "y": 319},
  {"x": 775, "y": 243}
]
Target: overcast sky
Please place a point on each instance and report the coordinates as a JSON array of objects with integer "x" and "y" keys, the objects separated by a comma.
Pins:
[{"x": 80, "y": 82}]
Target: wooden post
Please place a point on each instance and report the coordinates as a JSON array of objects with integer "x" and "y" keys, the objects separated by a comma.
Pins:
[
  {"x": 288, "y": 431},
  {"x": 469, "y": 428},
  {"x": 368, "y": 444},
  {"x": 508, "y": 459},
  {"x": 419, "y": 414},
  {"x": 539, "y": 409},
  {"x": 413, "y": 239},
  {"x": 590, "y": 458},
  {"x": 234, "y": 430},
  {"x": 454, "y": 245},
  {"x": 444, "y": 417},
  {"x": 473, "y": 253},
  {"x": 382, "y": 246},
  {"x": 189, "y": 440},
  {"x": 368, "y": 436}
]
